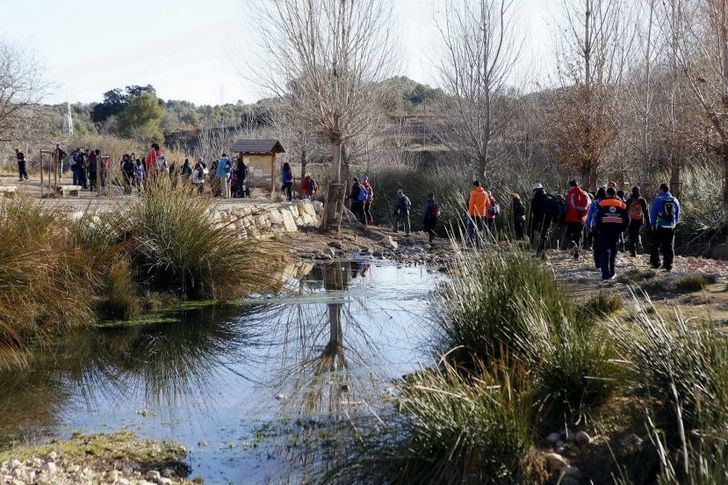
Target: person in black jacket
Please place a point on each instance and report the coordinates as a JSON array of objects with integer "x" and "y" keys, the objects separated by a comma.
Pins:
[
  {"x": 611, "y": 221},
  {"x": 544, "y": 212},
  {"x": 519, "y": 216},
  {"x": 639, "y": 215},
  {"x": 429, "y": 218}
]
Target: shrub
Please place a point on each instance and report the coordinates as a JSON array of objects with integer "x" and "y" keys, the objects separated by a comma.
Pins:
[
  {"x": 448, "y": 428},
  {"x": 487, "y": 304}
]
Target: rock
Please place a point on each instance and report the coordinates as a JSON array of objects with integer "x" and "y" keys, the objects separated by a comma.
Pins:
[
  {"x": 127, "y": 471},
  {"x": 582, "y": 438},
  {"x": 336, "y": 245},
  {"x": 153, "y": 476},
  {"x": 49, "y": 468},
  {"x": 15, "y": 464},
  {"x": 377, "y": 254},
  {"x": 123, "y": 481},
  {"x": 631, "y": 440},
  {"x": 554, "y": 438},
  {"x": 168, "y": 473},
  {"x": 164, "y": 481},
  {"x": 571, "y": 471},
  {"x": 569, "y": 481},
  {"x": 555, "y": 462},
  {"x": 280, "y": 396},
  {"x": 392, "y": 243},
  {"x": 53, "y": 455},
  {"x": 113, "y": 475}
]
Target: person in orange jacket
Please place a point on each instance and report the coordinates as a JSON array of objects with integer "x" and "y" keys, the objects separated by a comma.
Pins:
[
  {"x": 477, "y": 208},
  {"x": 577, "y": 205}
]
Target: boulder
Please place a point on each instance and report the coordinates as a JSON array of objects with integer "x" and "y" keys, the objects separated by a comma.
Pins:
[
  {"x": 555, "y": 462},
  {"x": 581, "y": 438},
  {"x": 554, "y": 438}
]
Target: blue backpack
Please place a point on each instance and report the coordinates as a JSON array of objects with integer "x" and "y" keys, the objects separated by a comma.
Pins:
[
  {"x": 363, "y": 194},
  {"x": 667, "y": 214}
]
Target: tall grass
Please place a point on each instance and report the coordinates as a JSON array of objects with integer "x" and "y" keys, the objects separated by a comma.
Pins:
[
  {"x": 179, "y": 246},
  {"x": 449, "y": 428},
  {"x": 43, "y": 284},
  {"x": 488, "y": 303},
  {"x": 682, "y": 363}
]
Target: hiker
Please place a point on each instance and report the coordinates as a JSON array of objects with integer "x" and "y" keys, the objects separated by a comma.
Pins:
[
  {"x": 20, "y": 158},
  {"x": 544, "y": 212},
  {"x": 477, "y": 209},
  {"x": 287, "y": 181},
  {"x": 431, "y": 215},
  {"x": 94, "y": 160},
  {"x": 186, "y": 170},
  {"x": 309, "y": 187},
  {"x": 559, "y": 221},
  {"x": 577, "y": 204},
  {"x": 357, "y": 202},
  {"x": 492, "y": 212},
  {"x": 82, "y": 167},
  {"x": 591, "y": 223},
  {"x": 639, "y": 215},
  {"x": 402, "y": 206},
  {"x": 365, "y": 185},
  {"x": 139, "y": 174},
  {"x": 152, "y": 163},
  {"x": 664, "y": 216},
  {"x": 72, "y": 160},
  {"x": 240, "y": 173},
  {"x": 611, "y": 220},
  {"x": 519, "y": 216},
  {"x": 621, "y": 245},
  {"x": 223, "y": 171},
  {"x": 59, "y": 154},
  {"x": 198, "y": 177},
  {"x": 127, "y": 170}
]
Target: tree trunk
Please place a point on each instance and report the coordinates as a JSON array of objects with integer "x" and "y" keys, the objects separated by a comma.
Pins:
[
  {"x": 593, "y": 176},
  {"x": 725, "y": 179},
  {"x": 336, "y": 193},
  {"x": 304, "y": 162}
]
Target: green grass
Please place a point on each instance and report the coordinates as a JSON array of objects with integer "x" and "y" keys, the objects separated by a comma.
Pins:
[
  {"x": 449, "y": 428},
  {"x": 599, "y": 305}
]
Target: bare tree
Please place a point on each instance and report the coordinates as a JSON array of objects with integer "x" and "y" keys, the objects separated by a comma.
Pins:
[
  {"x": 592, "y": 54},
  {"x": 22, "y": 87},
  {"x": 481, "y": 48},
  {"x": 700, "y": 33},
  {"x": 328, "y": 57}
]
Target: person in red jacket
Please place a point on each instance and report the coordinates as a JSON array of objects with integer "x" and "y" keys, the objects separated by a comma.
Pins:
[
  {"x": 577, "y": 205},
  {"x": 151, "y": 160},
  {"x": 309, "y": 187}
]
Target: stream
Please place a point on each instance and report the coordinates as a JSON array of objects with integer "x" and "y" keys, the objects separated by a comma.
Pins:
[{"x": 227, "y": 381}]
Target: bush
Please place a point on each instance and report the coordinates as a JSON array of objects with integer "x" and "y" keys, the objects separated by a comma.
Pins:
[
  {"x": 449, "y": 429},
  {"x": 119, "y": 299}
]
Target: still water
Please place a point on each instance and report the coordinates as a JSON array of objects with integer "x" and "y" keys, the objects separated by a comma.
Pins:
[{"x": 228, "y": 381}]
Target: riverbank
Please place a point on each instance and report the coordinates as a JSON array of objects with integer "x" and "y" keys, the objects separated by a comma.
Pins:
[{"x": 119, "y": 459}]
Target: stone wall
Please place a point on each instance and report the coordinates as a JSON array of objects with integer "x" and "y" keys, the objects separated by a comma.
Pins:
[{"x": 268, "y": 219}]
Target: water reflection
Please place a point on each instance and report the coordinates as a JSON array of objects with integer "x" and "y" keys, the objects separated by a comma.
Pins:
[{"x": 327, "y": 342}]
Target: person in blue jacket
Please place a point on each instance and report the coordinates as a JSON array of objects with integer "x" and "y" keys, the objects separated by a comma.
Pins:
[
  {"x": 664, "y": 217},
  {"x": 591, "y": 223}
]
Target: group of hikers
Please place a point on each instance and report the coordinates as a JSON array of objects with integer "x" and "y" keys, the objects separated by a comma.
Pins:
[
  {"x": 599, "y": 222},
  {"x": 361, "y": 198}
]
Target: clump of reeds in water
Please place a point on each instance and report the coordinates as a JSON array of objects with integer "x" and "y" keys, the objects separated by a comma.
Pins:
[{"x": 179, "y": 246}]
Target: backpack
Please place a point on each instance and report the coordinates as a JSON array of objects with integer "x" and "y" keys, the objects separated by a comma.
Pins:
[
  {"x": 668, "y": 210},
  {"x": 434, "y": 210},
  {"x": 161, "y": 162},
  {"x": 363, "y": 194},
  {"x": 494, "y": 209},
  {"x": 635, "y": 210}
]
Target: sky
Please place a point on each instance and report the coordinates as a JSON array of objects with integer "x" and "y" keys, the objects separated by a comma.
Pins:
[{"x": 203, "y": 51}]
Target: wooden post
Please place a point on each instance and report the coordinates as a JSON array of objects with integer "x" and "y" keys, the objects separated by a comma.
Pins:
[
  {"x": 273, "y": 182},
  {"x": 41, "y": 174}
]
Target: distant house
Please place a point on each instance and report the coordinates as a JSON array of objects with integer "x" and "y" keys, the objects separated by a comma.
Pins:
[{"x": 260, "y": 157}]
